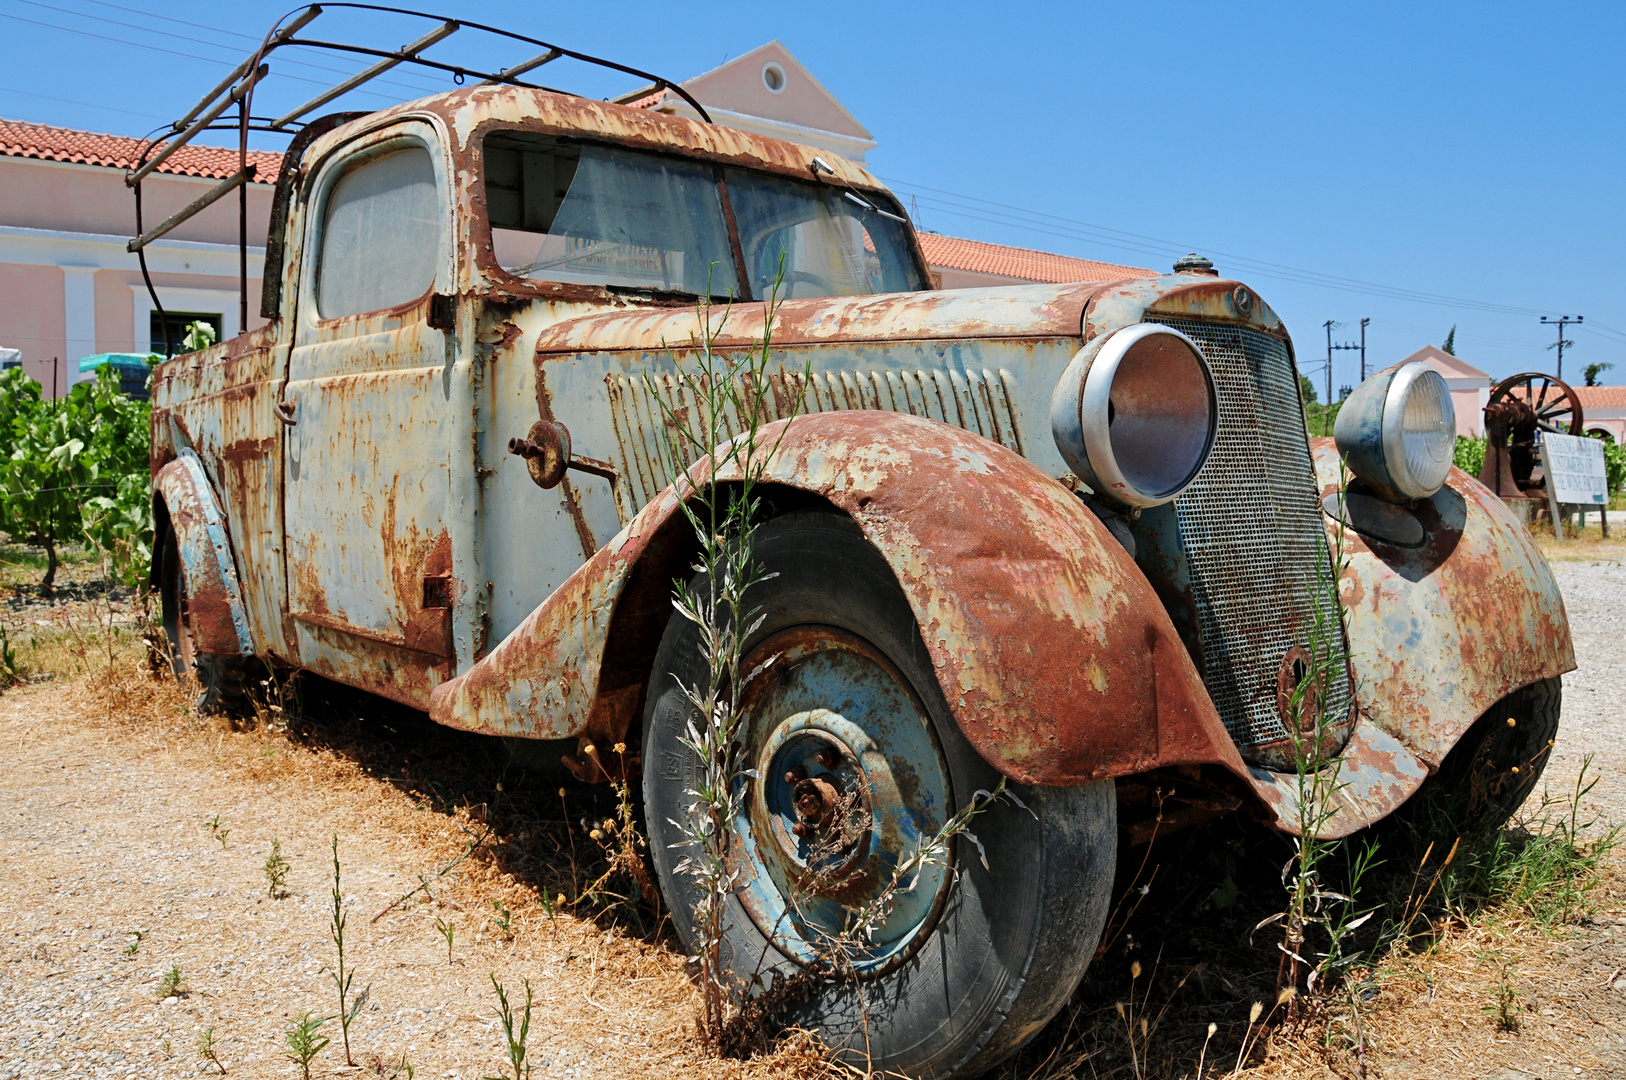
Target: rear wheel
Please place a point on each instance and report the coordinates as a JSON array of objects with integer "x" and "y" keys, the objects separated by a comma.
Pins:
[
  {"x": 859, "y": 762},
  {"x": 223, "y": 681}
]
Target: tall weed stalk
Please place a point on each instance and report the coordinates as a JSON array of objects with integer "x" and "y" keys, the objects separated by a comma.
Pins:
[
  {"x": 350, "y": 1006},
  {"x": 719, "y": 430},
  {"x": 1313, "y": 723}
]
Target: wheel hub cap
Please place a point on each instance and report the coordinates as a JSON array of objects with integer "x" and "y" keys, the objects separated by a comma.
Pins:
[{"x": 850, "y": 782}]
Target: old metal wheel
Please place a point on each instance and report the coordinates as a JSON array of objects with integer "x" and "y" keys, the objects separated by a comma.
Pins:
[
  {"x": 1555, "y": 407},
  {"x": 223, "y": 681},
  {"x": 858, "y": 760}
]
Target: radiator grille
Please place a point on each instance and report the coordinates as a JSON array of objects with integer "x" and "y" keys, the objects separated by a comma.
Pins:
[
  {"x": 1250, "y": 525},
  {"x": 977, "y": 401}
]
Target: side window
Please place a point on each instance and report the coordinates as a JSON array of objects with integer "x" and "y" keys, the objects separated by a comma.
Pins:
[{"x": 380, "y": 235}]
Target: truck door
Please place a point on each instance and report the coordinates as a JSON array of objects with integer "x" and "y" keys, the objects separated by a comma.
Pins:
[{"x": 368, "y": 557}]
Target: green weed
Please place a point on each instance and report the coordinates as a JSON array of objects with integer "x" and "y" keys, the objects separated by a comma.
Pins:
[
  {"x": 447, "y": 931},
  {"x": 503, "y": 920},
  {"x": 349, "y": 1006},
  {"x": 209, "y": 1048},
  {"x": 515, "y": 1040},
  {"x": 1505, "y": 1006},
  {"x": 276, "y": 868},
  {"x": 172, "y": 984},
  {"x": 1544, "y": 869},
  {"x": 304, "y": 1041}
]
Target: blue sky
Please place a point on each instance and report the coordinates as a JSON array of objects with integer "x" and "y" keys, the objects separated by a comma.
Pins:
[{"x": 1447, "y": 163}]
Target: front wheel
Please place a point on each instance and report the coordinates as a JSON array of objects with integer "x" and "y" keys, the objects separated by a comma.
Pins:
[
  {"x": 1491, "y": 770},
  {"x": 859, "y": 762}
]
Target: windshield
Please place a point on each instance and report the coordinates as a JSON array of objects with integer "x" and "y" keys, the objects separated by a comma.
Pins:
[
  {"x": 596, "y": 215},
  {"x": 563, "y": 210},
  {"x": 831, "y": 242}
]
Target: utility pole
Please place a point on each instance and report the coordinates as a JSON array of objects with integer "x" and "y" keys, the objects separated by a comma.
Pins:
[
  {"x": 1561, "y": 322},
  {"x": 1329, "y": 324},
  {"x": 1331, "y": 348}
]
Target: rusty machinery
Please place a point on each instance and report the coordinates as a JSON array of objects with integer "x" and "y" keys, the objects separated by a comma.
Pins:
[{"x": 1519, "y": 409}]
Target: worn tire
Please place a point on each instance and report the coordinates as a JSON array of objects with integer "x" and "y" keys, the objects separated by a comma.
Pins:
[
  {"x": 1475, "y": 790},
  {"x": 1006, "y": 944},
  {"x": 224, "y": 682}
]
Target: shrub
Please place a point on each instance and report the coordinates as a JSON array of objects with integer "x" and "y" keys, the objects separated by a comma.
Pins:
[
  {"x": 76, "y": 469},
  {"x": 1470, "y": 454}
]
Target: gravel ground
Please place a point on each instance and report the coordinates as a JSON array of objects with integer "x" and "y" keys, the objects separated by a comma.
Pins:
[
  {"x": 1594, "y": 717},
  {"x": 112, "y": 877}
]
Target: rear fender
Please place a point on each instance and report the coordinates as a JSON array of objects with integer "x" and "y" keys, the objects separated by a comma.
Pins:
[
  {"x": 1056, "y": 658},
  {"x": 183, "y": 498}
]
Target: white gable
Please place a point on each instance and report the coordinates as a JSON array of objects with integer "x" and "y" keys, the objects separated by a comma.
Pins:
[{"x": 769, "y": 92}]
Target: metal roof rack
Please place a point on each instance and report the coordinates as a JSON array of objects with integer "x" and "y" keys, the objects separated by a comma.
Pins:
[{"x": 237, "y": 90}]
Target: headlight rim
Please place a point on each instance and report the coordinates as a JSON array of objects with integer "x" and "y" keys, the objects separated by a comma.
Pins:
[
  {"x": 1395, "y": 400},
  {"x": 1088, "y": 384}
]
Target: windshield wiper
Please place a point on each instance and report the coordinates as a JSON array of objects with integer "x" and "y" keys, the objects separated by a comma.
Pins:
[{"x": 867, "y": 205}]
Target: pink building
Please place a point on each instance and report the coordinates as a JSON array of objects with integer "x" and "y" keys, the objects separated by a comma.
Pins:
[
  {"x": 68, "y": 286},
  {"x": 1603, "y": 409}
]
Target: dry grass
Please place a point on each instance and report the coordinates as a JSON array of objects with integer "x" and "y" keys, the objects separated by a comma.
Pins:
[
  {"x": 423, "y": 796},
  {"x": 405, "y": 793},
  {"x": 1585, "y": 545}
]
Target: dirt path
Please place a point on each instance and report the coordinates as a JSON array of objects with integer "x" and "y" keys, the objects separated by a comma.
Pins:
[{"x": 103, "y": 836}]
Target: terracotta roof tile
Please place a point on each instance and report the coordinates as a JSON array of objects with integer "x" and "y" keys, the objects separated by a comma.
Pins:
[
  {"x": 953, "y": 253},
  {"x": 1601, "y": 397},
  {"x": 19, "y": 139},
  {"x": 648, "y": 101}
]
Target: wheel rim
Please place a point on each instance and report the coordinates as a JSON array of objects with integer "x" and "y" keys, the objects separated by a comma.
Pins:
[{"x": 850, "y": 781}]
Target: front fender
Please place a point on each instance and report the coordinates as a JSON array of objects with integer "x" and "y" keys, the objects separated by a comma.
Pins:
[
  {"x": 184, "y": 498},
  {"x": 1056, "y": 658},
  {"x": 1438, "y": 634}
]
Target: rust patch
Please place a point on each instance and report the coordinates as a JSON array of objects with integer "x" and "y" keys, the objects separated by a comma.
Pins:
[
  {"x": 1441, "y": 632},
  {"x": 1054, "y": 655}
]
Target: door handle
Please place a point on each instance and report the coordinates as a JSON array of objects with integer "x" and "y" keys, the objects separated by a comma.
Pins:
[{"x": 285, "y": 412}]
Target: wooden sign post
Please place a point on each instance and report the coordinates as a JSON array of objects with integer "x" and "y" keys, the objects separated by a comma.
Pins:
[{"x": 1575, "y": 476}]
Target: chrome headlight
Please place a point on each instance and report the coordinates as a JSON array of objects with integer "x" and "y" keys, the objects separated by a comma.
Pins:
[
  {"x": 1399, "y": 431},
  {"x": 1134, "y": 415}
]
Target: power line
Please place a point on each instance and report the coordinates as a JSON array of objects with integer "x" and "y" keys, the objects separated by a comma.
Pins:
[
  {"x": 85, "y": 104},
  {"x": 419, "y": 88},
  {"x": 167, "y": 52},
  {"x": 1037, "y": 221}
]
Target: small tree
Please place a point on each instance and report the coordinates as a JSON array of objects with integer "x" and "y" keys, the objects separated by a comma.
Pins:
[
  {"x": 1592, "y": 371},
  {"x": 44, "y": 480},
  {"x": 1450, "y": 346}
]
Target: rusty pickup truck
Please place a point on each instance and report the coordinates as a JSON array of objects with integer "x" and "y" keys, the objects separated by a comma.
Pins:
[{"x": 1066, "y": 535}]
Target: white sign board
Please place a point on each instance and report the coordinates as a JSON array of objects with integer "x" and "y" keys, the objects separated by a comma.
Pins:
[{"x": 1575, "y": 471}]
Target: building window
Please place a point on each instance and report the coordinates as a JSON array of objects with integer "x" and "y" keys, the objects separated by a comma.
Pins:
[
  {"x": 773, "y": 77},
  {"x": 178, "y": 322}
]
